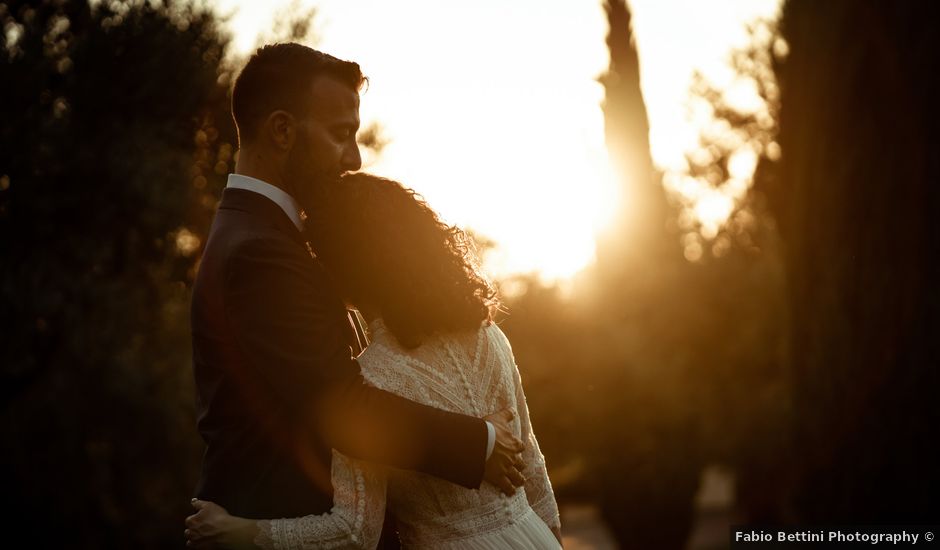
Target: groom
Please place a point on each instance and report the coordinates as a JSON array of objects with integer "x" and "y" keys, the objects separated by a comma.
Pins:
[{"x": 277, "y": 386}]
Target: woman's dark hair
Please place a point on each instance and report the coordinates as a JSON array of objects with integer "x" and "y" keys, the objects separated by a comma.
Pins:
[
  {"x": 280, "y": 76},
  {"x": 385, "y": 247}
]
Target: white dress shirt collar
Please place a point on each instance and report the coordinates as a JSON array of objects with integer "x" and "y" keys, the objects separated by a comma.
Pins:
[{"x": 275, "y": 194}]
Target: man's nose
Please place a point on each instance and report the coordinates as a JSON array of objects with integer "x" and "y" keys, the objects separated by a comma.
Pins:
[{"x": 352, "y": 160}]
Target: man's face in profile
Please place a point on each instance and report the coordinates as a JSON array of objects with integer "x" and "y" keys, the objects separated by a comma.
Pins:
[{"x": 326, "y": 144}]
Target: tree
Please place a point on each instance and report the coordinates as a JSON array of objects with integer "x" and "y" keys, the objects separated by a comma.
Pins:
[
  {"x": 645, "y": 445},
  {"x": 856, "y": 197},
  {"x": 739, "y": 278},
  {"x": 115, "y": 143},
  {"x": 692, "y": 373},
  {"x": 638, "y": 233}
]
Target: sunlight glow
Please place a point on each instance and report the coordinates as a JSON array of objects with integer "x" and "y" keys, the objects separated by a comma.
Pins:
[
  {"x": 187, "y": 243},
  {"x": 493, "y": 110},
  {"x": 712, "y": 210},
  {"x": 742, "y": 163}
]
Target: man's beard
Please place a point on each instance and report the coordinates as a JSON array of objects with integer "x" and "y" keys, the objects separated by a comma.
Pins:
[{"x": 305, "y": 183}]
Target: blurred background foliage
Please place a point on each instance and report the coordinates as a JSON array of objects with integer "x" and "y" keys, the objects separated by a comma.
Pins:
[
  {"x": 795, "y": 345},
  {"x": 116, "y": 140}
]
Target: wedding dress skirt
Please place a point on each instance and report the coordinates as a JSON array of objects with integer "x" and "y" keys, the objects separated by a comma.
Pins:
[
  {"x": 525, "y": 532},
  {"x": 529, "y": 532}
]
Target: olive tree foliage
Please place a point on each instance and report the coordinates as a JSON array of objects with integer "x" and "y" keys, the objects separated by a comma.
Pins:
[{"x": 114, "y": 148}]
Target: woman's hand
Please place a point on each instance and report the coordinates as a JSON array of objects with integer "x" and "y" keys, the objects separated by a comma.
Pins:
[{"x": 213, "y": 527}]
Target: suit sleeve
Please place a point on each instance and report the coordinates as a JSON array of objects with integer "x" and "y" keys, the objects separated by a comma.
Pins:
[{"x": 293, "y": 335}]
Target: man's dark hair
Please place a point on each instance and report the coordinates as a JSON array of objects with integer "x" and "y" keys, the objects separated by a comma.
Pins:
[{"x": 279, "y": 76}]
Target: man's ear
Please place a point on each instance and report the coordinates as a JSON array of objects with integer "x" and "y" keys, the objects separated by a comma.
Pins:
[{"x": 280, "y": 127}]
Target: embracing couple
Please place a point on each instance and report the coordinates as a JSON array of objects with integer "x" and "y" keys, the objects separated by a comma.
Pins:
[{"x": 320, "y": 431}]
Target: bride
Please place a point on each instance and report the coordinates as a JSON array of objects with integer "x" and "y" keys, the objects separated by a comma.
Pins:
[{"x": 433, "y": 341}]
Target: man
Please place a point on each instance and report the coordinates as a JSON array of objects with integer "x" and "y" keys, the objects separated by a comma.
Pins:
[{"x": 277, "y": 387}]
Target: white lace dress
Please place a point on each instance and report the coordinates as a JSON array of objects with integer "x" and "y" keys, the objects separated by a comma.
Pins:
[{"x": 474, "y": 374}]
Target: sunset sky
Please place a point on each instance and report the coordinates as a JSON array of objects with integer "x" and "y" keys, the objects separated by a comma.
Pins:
[{"x": 493, "y": 110}]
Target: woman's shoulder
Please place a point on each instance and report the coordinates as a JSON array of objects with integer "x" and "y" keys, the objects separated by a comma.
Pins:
[{"x": 496, "y": 334}]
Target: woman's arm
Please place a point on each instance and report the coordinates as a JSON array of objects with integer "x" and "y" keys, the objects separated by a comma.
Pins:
[
  {"x": 354, "y": 522},
  {"x": 538, "y": 487}
]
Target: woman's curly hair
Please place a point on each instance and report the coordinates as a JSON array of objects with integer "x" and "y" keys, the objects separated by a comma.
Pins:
[{"x": 385, "y": 247}]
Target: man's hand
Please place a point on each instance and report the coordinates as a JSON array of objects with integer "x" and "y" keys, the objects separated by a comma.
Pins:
[
  {"x": 212, "y": 527},
  {"x": 505, "y": 466}
]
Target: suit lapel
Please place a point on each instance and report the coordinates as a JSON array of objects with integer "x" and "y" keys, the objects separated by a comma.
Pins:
[{"x": 268, "y": 211}]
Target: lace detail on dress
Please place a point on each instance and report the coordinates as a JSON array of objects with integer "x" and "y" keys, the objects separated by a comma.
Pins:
[
  {"x": 474, "y": 374},
  {"x": 354, "y": 522}
]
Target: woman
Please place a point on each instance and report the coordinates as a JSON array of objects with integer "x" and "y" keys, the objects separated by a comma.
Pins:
[{"x": 433, "y": 341}]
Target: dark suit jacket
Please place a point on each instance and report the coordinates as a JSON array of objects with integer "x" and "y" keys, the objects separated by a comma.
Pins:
[{"x": 277, "y": 386}]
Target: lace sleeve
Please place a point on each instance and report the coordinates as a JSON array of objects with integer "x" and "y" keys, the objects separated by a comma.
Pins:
[
  {"x": 538, "y": 488},
  {"x": 354, "y": 522}
]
